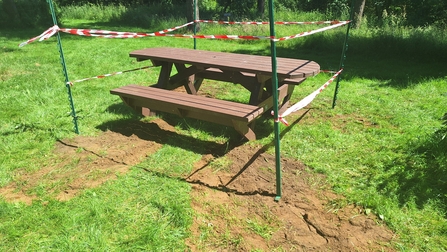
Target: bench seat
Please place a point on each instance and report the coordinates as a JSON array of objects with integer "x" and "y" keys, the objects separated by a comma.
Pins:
[
  {"x": 237, "y": 115},
  {"x": 215, "y": 71}
]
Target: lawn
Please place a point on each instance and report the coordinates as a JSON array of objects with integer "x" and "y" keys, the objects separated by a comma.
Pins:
[{"x": 381, "y": 147}]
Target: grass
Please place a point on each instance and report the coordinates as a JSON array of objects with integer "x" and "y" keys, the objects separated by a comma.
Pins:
[
  {"x": 379, "y": 146},
  {"x": 130, "y": 214},
  {"x": 372, "y": 153}
]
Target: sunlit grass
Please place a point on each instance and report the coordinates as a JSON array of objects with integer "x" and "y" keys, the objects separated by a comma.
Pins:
[{"x": 378, "y": 147}]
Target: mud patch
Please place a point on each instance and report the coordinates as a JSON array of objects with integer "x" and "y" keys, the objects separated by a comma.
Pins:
[
  {"x": 237, "y": 212},
  {"x": 232, "y": 193},
  {"x": 81, "y": 163}
]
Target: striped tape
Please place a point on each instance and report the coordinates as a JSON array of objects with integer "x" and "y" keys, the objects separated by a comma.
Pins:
[
  {"x": 107, "y": 75},
  {"x": 265, "y": 23},
  {"x": 165, "y": 33},
  {"x": 335, "y": 25},
  {"x": 115, "y": 34},
  {"x": 307, "y": 100},
  {"x": 45, "y": 35}
]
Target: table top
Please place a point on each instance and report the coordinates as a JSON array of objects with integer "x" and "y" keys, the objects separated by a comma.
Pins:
[{"x": 262, "y": 65}]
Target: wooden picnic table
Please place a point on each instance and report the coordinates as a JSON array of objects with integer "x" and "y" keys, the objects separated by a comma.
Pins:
[{"x": 253, "y": 72}]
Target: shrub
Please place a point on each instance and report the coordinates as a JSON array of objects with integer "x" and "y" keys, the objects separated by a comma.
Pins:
[{"x": 24, "y": 14}]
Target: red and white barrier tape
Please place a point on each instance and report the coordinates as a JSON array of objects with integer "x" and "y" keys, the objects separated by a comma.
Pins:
[
  {"x": 335, "y": 24},
  {"x": 235, "y": 37},
  {"x": 265, "y": 23},
  {"x": 99, "y": 33},
  {"x": 107, "y": 75},
  {"x": 307, "y": 100},
  {"x": 313, "y": 31},
  {"x": 115, "y": 34},
  {"x": 45, "y": 35},
  {"x": 164, "y": 33}
]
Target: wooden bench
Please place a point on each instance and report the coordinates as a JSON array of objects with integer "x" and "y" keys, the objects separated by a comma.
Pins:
[
  {"x": 237, "y": 115},
  {"x": 212, "y": 73},
  {"x": 246, "y": 79}
]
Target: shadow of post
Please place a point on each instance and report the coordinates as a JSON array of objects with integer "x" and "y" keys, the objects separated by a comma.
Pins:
[
  {"x": 152, "y": 132},
  {"x": 265, "y": 148}
]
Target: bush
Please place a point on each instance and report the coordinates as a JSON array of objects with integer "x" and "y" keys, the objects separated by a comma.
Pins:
[{"x": 24, "y": 14}]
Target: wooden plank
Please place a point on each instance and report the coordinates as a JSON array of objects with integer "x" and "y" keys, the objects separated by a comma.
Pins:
[
  {"x": 215, "y": 72},
  {"x": 286, "y": 67},
  {"x": 186, "y": 98},
  {"x": 160, "y": 100},
  {"x": 196, "y": 113}
]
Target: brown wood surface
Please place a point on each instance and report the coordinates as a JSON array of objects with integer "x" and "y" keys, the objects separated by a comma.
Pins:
[
  {"x": 215, "y": 73},
  {"x": 233, "y": 110},
  {"x": 234, "y": 114},
  {"x": 286, "y": 67},
  {"x": 253, "y": 72}
]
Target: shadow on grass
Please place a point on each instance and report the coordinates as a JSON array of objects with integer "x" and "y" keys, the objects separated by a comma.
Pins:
[
  {"x": 421, "y": 176},
  {"x": 266, "y": 147},
  {"x": 151, "y": 131},
  {"x": 225, "y": 187},
  {"x": 395, "y": 62},
  {"x": 133, "y": 125},
  {"x": 222, "y": 188}
]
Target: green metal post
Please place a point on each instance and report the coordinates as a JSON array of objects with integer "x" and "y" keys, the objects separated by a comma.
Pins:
[
  {"x": 195, "y": 24},
  {"x": 275, "y": 103},
  {"x": 343, "y": 56},
  {"x": 64, "y": 69}
]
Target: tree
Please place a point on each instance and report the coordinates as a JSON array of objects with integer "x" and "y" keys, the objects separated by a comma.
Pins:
[
  {"x": 10, "y": 10},
  {"x": 191, "y": 8},
  {"x": 261, "y": 7},
  {"x": 359, "y": 6}
]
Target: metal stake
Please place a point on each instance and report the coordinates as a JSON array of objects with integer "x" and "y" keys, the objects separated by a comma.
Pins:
[{"x": 64, "y": 69}]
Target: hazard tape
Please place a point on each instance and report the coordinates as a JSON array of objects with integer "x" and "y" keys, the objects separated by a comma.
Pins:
[
  {"x": 306, "y": 101},
  {"x": 107, "y": 75},
  {"x": 313, "y": 31},
  {"x": 45, "y": 35},
  {"x": 234, "y": 37},
  {"x": 115, "y": 34},
  {"x": 99, "y": 33},
  {"x": 164, "y": 33},
  {"x": 265, "y": 23}
]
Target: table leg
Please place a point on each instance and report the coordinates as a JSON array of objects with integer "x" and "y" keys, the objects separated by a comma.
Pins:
[
  {"x": 286, "y": 101},
  {"x": 193, "y": 85},
  {"x": 258, "y": 91},
  {"x": 165, "y": 74},
  {"x": 163, "y": 82},
  {"x": 186, "y": 76},
  {"x": 189, "y": 86}
]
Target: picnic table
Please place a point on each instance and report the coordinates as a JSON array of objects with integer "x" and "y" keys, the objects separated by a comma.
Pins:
[{"x": 252, "y": 72}]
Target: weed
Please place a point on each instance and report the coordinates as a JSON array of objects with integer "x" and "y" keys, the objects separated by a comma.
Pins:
[
  {"x": 262, "y": 229},
  {"x": 220, "y": 164}
]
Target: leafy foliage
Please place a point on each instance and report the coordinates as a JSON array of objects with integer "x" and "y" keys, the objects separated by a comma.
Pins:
[
  {"x": 119, "y": 2},
  {"x": 24, "y": 14},
  {"x": 34, "y": 13}
]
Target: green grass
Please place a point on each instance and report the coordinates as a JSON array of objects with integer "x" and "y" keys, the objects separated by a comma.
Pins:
[
  {"x": 379, "y": 146},
  {"x": 140, "y": 211},
  {"x": 373, "y": 147}
]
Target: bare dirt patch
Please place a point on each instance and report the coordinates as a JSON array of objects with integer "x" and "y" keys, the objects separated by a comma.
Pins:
[
  {"x": 232, "y": 194},
  {"x": 81, "y": 163},
  {"x": 237, "y": 206}
]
